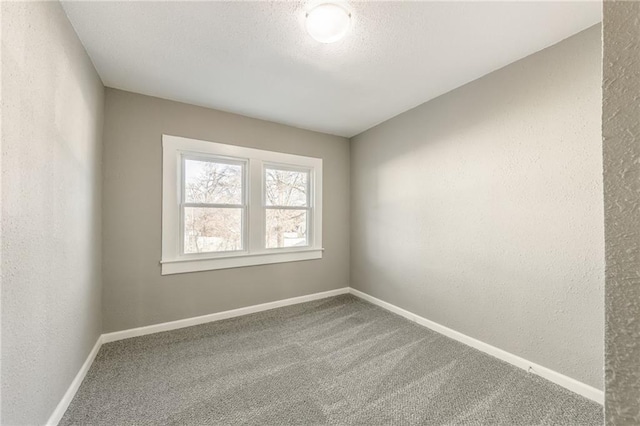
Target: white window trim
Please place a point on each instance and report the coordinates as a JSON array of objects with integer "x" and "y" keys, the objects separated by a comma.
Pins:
[{"x": 254, "y": 253}]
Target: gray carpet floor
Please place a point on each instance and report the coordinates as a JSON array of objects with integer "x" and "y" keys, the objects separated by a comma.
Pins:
[{"x": 337, "y": 361}]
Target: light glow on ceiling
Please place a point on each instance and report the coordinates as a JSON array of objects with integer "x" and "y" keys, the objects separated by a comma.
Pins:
[{"x": 328, "y": 22}]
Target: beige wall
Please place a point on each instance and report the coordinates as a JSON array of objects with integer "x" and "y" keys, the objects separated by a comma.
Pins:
[
  {"x": 621, "y": 132},
  {"x": 52, "y": 105},
  {"x": 135, "y": 294},
  {"x": 481, "y": 210}
]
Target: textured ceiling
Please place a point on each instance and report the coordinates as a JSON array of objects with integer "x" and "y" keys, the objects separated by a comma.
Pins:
[{"x": 256, "y": 59}]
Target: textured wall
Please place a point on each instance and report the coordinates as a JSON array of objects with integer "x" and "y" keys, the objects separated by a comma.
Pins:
[
  {"x": 135, "y": 294},
  {"x": 482, "y": 209},
  {"x": 621, "y": 132},
  {"x": 52, "y": 105}
]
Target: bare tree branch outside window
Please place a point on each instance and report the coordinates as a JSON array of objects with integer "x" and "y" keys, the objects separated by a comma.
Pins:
[
  {"x": 286, "y": 227},
  {"x": 213, "y": 229},
  {"x": 218, "y": 228}
]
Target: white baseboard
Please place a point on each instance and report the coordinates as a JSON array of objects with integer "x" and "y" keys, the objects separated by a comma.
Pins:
[
  {"x": 173, "y": 325},
  {"x": 551, "y": 375},
  {"x": 188, "y": 322},
  {"x": 62, "y": 406}
]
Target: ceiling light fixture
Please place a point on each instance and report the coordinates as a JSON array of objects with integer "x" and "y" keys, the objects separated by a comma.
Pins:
[{"x": 328, "y": 22}]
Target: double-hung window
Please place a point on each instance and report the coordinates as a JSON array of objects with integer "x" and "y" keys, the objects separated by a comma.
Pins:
[
  {"x": 226, "y": 206},
  {"x": 213, "y": 208},
  {"x": 288, "y": 210}
]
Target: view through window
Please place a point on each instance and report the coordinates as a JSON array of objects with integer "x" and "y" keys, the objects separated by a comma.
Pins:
[
  {"x": 287, "y": 205},
  {"x": 214, "y": 206},
  {"x": 227, "y": 206}
]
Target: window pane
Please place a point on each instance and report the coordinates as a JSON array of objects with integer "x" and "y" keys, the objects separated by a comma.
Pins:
[
  {"x": 211, "y": 182},
  {"x": 286, "y": 228},
  {"x": 286, "y": 188},
  {"x": 212, "y": 229}
]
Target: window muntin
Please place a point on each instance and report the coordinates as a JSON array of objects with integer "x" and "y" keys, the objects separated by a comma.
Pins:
[{"x": 213, "y": 208}]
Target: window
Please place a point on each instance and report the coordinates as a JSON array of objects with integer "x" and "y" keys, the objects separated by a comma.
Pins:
[
  {"x": 225, "y": 206},
  {"x": 213, "y": 205},
  {"x": 287, "y": 207}
]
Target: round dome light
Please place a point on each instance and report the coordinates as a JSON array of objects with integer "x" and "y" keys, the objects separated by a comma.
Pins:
[{"x": 328, "y": 22}]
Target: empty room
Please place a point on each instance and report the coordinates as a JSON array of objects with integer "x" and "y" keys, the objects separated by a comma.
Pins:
[{"x": 320, "y": 213}]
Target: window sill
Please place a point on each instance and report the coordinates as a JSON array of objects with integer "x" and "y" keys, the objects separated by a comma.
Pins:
[{"x": 181, "y": 266}]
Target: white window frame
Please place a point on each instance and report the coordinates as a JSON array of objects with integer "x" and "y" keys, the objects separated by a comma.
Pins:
[
  {"x": 175, "y": 261},
  {"x": 308, "y": 208},
  {"x": 184, "y": 156}
]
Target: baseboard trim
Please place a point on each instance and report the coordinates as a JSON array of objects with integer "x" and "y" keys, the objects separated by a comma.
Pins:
[
  {"x": 188, "y": 322},
  {"x": 551, "y": 375},
  {"x": 62, "y": 406}
]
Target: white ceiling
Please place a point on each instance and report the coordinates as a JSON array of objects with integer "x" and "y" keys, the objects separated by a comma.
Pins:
[{"x": 256, "y": 59}]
